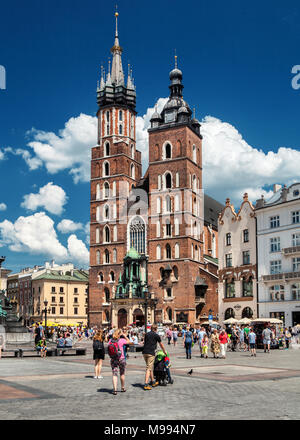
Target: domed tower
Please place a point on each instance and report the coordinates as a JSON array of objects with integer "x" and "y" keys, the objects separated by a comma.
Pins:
[
  {"x": 115, "y": 169},
  {"x": 176, "y": 204}
]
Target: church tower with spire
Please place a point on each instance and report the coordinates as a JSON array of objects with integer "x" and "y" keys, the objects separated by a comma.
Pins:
[{"x": 115, "y": 169}]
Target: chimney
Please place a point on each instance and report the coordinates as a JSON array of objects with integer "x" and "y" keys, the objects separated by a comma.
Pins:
[{"x": 276, "y": 187}]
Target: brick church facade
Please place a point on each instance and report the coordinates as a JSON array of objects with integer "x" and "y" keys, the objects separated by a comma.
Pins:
[{"x": 152, "y": 236}]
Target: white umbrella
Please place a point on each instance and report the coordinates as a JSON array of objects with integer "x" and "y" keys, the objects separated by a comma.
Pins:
[
  {"x": 209, "y": 322},
  {"x": 230, "y": 321},
  {"x": 244, "y": 321}
]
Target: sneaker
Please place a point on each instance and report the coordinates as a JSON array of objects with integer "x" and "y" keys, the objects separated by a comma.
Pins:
[
  {"x": 154, "y": 384},
  {"x": 95, "y": 377},
  {"x": 147, "y": 387},
  {"x": 100, "y": 377}
]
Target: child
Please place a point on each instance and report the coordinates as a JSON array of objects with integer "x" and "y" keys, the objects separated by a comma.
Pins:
[
  {"x": 43, "y": 347},
  {"x": 204, "y": 346},
  {"x": 252, "y": 341}
]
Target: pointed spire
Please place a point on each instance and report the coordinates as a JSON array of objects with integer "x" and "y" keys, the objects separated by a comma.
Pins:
[
  {"x": 108, "y": 79},
  {"x": 175, "y": 60},
  {"x": 130, "y": 85},
  {"x": 102, "y": 82},
  {"x": 117, "y": 75}
]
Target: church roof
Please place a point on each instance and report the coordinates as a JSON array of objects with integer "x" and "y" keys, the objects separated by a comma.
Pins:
[
  {"x": 133, "y": 254},
  {"x": 212, "y": 208}
]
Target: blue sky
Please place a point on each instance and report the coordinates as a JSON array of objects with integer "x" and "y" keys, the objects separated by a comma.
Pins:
[{"x": 236, "y": 59}]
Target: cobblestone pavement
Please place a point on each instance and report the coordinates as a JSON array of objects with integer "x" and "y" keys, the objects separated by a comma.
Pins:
[{"x": 238, "y": 387}]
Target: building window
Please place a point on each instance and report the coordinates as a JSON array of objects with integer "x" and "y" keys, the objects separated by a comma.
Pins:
[
  {"x": 61, "y": 310},
  {"x": 228, "y": 260},
  {"x": 168, "y": 178},
  {"x": 194, "y": 154},
  {"x": 75, "y": 289},
  {"x": 137, "y": 235},
  {"x": 247, "y": 312},
  {"x": 132, "y": 151},
  {"x": 101, "y": 277},
  {"x": 107, "y": 234},
  {"x": 246, "y": 257},
  {"x": 275, "y": 244},
  {"x": 106, "y": 190},
  {"x": 168, "y": 228},
  {"x": 61, "y": 290},
  {"x": 169, "y": 292},
  {"x": 114, "y": 255},
  {"x": 107, "y": 295},
  {"x": 106, "y": 149},
  {"x": 168, "y": 151},
  {"x": 53, "y": 300},
  {"x": 106, "y": 169},
  {"x": 61, "y": 299},
  {"x": 176, "y": 222},
  {"x": 296, "y": 239},
  {"x": 76, "y": 299},
  {"x": 274, "y": 222},
  {"x": 106, "y": 257},
  {"x": 247, "y": 287},
  {"x": 168, "y": 251},
  {"x": 75, "y": 310},
  {"x": 176, "y": 250},
  {"x": 98, "y": 257},
  {"x": 120, "y": 115},
  {"x": 275, "y": 267},
  {"x": 158, "y": 228},
  {"x": 296, "y": 217},
  {"x": 229, "y": 313},
  {"x": 228, "y": 239},
  {"x": 296, "y": 264},
  {"x": 53, "y": 310},
  {"x": 158, "y": 252},
  {"x": 112, "y": 276},
  {"x": 168, "y": 204},
  {"x": 229, "y": 289},
  {"x": 132, "y": 171},
  {"x": 295, "y": 289},
  {"x": 246, "y": 235},
  {"x": 53, "y": 289},
  {"x": 277, "y": 293}
]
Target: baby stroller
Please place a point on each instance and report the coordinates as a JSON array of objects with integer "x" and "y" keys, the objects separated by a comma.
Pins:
[{"x": 161, "y": 369}]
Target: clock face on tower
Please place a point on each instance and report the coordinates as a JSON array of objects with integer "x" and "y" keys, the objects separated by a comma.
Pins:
[{"x": 170, "y": 116}]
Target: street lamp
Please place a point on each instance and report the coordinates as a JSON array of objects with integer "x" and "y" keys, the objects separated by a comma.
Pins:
[{"x": 45, "y": 311}]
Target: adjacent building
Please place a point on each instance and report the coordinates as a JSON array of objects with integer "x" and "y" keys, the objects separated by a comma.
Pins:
[
  {"x": 237, "y": 261},
  {"x": 152, "y": 237},
  {"x": 278, "y": 243}
]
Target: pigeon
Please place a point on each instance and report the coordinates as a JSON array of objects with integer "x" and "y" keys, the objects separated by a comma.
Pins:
[{"x": 190, "y": 372}]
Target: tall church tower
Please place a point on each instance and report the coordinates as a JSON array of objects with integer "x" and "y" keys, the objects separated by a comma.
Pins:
[
  {"x": 176, "y": 204},
  {"x": 115, "y": 168}
]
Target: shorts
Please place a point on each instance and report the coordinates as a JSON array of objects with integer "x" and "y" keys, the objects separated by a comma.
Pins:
[
  {"x": 252, "y": 345},
  {"x": 98, "y": 354},
  {"x": 267, "y": 341},
  {"x": 149, "y": 359},
  {"x": 118, "y": 364}
]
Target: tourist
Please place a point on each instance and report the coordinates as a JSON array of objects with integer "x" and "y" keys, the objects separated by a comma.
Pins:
[
  {"x": 60, "y": 342},
  {"x": 169, "y": 336},
  {"x": 287, "y": 337},
  {"x": 201, "y": 334},
  {"x": 266, "y": 334},
  {"x": 234, "y": 338},
  {"x": 241, "y": 338},
  {"x": 246, "y": 337},
  {"x": 223, "y": 338},
  {"x": 204, "y": 346},
  {"x": 187, "y": 343},
  {"x": 252, "y": 342},
  {"x": 98, "y": 353},
  {"x": 117, "y": 358},
  {"x": 175, "y": 336},
  {"x": 215, "y": 343},
  {"x": 68, "y": 341},
  {"x": 133, "y": 338},
  {"x": 150, "y": 342}
]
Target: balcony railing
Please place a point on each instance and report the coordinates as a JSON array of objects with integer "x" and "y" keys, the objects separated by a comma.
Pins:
[
  {"x": 293, "y": 250},
  {"x": 284, "y": 276}
]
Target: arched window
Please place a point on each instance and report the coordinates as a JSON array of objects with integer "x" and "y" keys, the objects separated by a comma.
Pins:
[
  {"x": 106, "y": 294},
  {"x": 247, "y": 312},
  {"x": 115, "y": 233},
  {"x": 168, "y": 252},
  {"x": 120, "y": 129},
  {"x": 159, "y": 181},
  {"x": 194, "y": 154},
  {"x": 176, "y": 203},
  {"x": 101, "y": 277},
  {"x": 170, "y": 314},
  {"x": 176, "y": 223},
  {"x": 120, "y": 115},
  {"x": 114, "y": 188},
  {"x": 168, "y": 178},
  {"x": 229, "y": 313},
  {"x": 168, "y": 204},
  {"x": 114, "y": 255},
  {"x": 168, "y": 228},
  {"x": 132, "y": 151},
  {"x": 137, "y": 232},
  {"x": 106, "y": 190},
  {"x": 167, "y": 151},
  {"x": 158, "y": 252},
  {"x": 132, "y": 171},
  {"x": 106, "y": 212},
  {"x": 106, "y": 169},
  {"x": 112, "y": 276},
  {"x": 158, "y": 205},
  {"x": 175, "y": 272},
  {"x": 97, "y": 191},
  {"x": 98, "y": 213},
  {"x": 106, "y": 234},
  {"x": 98, "y": 257},
  {"x": 176, "y": 250},
  {"x": 97, "y": 235},
  {"x": 106, "y": 257},
  {"x": 106, "y": 149},
  {"x": 158, "y": 228}
]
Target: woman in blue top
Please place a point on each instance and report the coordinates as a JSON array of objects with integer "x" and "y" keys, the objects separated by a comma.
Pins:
[{"x": 188, "y": 339}]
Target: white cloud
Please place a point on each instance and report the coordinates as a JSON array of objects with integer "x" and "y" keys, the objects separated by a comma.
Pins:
[
  {"x": 87, "y": 231},
  {"x": 1, "y": 155},
  {"x": 34, "y": 234},
  {"x": 77, "y": 250},
  {"x": 50, "y": 197},
  {"x": 3, "y": 207},
  {"x": 66, "y": 226},
  {"x": 230, "y": 165}
]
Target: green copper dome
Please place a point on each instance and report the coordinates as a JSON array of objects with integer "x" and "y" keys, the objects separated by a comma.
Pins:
[{"x": 133, "y": 253}]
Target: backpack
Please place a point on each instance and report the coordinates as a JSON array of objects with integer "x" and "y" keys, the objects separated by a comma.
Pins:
[
  {"x": 97, "y": 345},
  {"x": 113, "y": 349}
]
